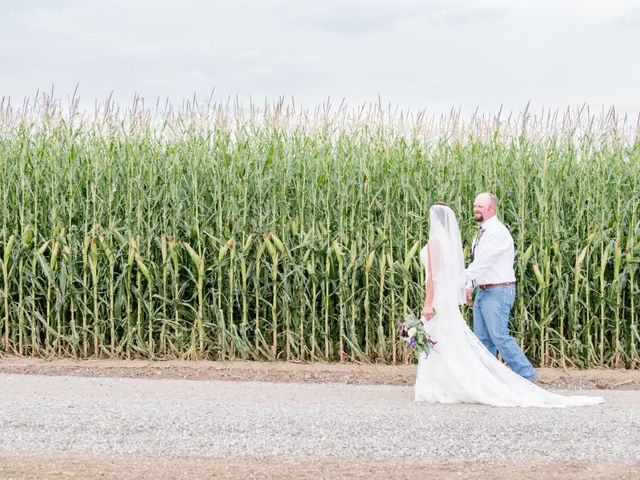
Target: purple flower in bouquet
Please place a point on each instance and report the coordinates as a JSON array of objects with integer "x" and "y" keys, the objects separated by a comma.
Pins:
[
  {"x": 413, "y": 333},
  {"x": 403, "y": 331}
]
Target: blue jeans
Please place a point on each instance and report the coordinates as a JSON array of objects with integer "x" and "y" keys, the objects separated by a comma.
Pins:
[{"x": 491, "y": 310}]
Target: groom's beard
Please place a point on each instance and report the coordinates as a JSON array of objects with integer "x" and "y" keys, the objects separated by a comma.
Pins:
[{"x": 478, "y": 217}]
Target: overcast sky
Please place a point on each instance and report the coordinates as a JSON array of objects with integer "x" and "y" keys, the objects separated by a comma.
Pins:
[{"x": 422, "y": 55}]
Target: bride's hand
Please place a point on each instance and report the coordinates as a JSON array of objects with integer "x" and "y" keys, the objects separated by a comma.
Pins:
[{"x": 427, "y": 312}]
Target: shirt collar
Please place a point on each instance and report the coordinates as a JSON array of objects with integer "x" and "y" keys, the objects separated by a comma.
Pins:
[{"x": 488, "y": 223}]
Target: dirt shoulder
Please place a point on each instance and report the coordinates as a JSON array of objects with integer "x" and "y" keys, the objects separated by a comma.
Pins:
[
  {"x": 344, "y": 373},
  {"x": 90, "y": 465}
]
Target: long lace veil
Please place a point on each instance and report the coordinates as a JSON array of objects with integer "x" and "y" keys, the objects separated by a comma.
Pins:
[{"x": 447, "y": 261}]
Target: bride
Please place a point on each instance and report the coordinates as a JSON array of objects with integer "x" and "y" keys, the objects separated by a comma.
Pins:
[{"x": 459, "y": 368}]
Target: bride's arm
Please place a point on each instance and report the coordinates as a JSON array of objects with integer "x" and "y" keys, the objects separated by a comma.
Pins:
[{"x": 427, "y": 311}]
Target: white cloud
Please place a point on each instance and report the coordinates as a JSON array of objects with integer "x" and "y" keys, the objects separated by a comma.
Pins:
[
  {"x": 629, "y": 21},
  {"x": 430, "y": 55}
]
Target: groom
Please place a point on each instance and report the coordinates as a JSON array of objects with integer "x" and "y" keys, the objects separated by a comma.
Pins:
[{"x": 491, "y": 272}]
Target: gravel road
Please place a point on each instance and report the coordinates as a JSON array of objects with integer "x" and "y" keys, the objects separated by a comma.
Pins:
[{"x": 256, "y": 419}]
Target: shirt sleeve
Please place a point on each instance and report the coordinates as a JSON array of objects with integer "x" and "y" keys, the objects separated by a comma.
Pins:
[{"x": 493, "y": 244}]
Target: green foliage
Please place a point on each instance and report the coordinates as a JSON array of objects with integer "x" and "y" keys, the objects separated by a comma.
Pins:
[{"x": 205, "y": 234}]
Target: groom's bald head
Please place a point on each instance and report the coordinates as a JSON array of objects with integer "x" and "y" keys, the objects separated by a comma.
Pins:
[
  {"x": 485, "y": 206},
  {"x": 487, "y": 198}
]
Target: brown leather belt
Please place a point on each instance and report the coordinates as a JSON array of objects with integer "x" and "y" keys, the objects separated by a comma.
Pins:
[{"x": 494, "y": 285}]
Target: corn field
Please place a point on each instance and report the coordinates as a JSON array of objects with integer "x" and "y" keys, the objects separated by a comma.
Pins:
[{"x": 226, "y": 231}]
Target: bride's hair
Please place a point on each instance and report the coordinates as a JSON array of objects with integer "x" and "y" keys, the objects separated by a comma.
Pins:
[
  {"x": 447, "y": 261},
  {"x": 440, "y": 213}
]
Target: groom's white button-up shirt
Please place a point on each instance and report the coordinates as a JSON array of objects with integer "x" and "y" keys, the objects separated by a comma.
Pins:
[{"x": 493, "y": 256}]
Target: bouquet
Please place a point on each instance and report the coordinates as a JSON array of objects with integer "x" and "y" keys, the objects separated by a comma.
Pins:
[{"x": 413, "y": 334}]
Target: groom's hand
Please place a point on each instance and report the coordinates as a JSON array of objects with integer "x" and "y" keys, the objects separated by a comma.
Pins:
[{"x": 469, "y": 293}]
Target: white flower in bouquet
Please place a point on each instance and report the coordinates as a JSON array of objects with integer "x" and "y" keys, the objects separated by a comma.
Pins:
[{"x": 412, "y": 332}]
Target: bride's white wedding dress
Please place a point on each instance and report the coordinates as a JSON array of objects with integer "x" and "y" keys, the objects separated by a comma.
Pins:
[{"x": 459, "y": 367}]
